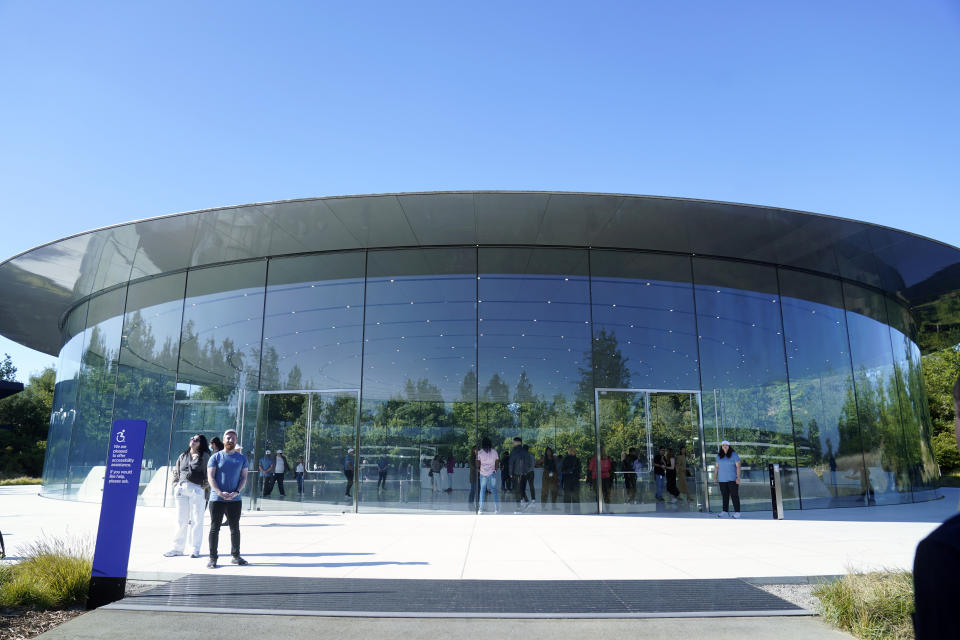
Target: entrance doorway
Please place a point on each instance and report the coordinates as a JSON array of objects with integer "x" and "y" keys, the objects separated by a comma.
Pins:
[
  {"x": 319, "y": 426},
  {"x": 632, "y": 425}
]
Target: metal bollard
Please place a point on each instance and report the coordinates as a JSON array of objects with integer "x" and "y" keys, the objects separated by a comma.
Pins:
[{"x": 776, "y": 494}]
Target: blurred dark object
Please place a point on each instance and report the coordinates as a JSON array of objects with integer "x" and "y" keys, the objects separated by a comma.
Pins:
[{"x": 936, "y": 583}]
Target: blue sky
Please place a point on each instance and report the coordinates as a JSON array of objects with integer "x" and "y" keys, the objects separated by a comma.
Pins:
[{"x": 113, "y": 111}]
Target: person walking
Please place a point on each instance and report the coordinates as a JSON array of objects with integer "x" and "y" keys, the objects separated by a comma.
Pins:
[
  {"x": 570, "y": 471},
  {"x": 671, "y": 468},
  {"x": 227, "y": 475},
  {"x": 728, "y": 477},
  {"x": 298, "y": 472},
  {"x": 450, "y": 469},
  {"x": 660, "y": 472},
  {"x": 548, "y": 483},
  {"x": 348, "y": 470},
  {"x": 382, "y": 466},
  {"x": 189, "y": 479},
  {"x": 487, "y": 461},
  {"x": 280, "y": 466},
  {"x": 266, "y": 473},
  {"x": 436, "y": 466}
]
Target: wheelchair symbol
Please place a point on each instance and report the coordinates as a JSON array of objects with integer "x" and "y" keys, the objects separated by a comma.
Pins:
[{"x": 121, "y": 435}]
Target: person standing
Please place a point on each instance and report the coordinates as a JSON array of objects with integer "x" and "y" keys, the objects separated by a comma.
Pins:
[
  {"x": 280, "y": 466},
  {"x": 672, "y": 475},
  {"x": 189, "y": 481},
  {"x": 298, "y": 472},
  {"x": 606, "y": 480},
  {"x": 381, "y": 474},
  {"x": 450, "y": 467},
  {"x": 629, "y": 476},
  {"x": 436, "y": 467},
  {"x": 506, "y": 481},
  {"x": 227, "y": 475},
  {"x": 548, "y": 483},
  {"x": 529, "y": 464},
  {"x": 348, "y": 470},
  {"x": 570, "y": 470},
  {"x": 518, "y": 471},
  {"x": 728, "y": 477},
  {"x": 660, "y": 472},
  {"x": 474, "y": 476},
  {"x": 487, "y": 461},
  {"x": 266, "y": 473}
]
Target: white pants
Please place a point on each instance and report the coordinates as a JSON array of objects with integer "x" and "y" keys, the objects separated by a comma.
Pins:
[{"x": 190, "y": 506}]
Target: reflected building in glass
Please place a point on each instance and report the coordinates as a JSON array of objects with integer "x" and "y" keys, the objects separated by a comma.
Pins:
[{"x": 377, "y": 339}]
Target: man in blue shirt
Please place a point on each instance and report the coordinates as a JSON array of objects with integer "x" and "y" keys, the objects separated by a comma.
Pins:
[
  {"x": 227, "y": 474},
  {"x": 266, "y": 474}
]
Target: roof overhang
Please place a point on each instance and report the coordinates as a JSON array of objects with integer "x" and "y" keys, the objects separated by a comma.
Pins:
[{"x": 41, "y": 285}]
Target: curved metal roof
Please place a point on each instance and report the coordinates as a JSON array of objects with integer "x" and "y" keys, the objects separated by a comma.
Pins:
[{"x": 40, "y": 285}]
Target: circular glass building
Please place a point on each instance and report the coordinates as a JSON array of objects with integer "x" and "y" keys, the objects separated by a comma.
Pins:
[{"x": 389, "y": 334}]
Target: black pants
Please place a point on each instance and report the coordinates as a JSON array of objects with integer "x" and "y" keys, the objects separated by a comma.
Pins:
[
  {"x": 672, "y": 487},
  {"x": 730, "y": 490},
  {"x": 278, "y": 478},
  {"x": 268, "y": 484},
  {"x": 571, "y": 496},
  {"x": 349, "y": 476},
  {"x": 232, "y": 509},
  {"x": 381, "y": 480},
  {"x": 520, "y": 482}
]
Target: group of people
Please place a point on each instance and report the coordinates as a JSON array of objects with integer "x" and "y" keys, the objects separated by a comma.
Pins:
[
  {"x": 209, "y": 476},
  {"x": 273, "y": 470}
]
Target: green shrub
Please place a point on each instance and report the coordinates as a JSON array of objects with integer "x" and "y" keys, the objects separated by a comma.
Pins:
[
  {"x": 872, "y": 606},
  {"x": 54, "y": 574},
  {"x": 8, "y": 482},
  {"x": 945, "y": 450}
]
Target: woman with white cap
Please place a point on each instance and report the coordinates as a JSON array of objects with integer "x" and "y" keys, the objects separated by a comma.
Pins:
[{"x": 728, "y": 477}]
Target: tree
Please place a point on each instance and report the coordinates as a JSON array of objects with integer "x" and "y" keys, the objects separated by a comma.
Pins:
[
  {"x": 941, "y": 370},
  {"x": 26, "y": 416},
  {"x": 8, "y": 372}
]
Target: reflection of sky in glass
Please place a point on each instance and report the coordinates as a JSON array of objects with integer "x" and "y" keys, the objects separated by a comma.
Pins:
[
  {"x": 315, "y": 327},
  {"x": 741, "y": 342},
  {"x": 538, "y": 324},
  {"x": 419, "y": 328},
  {"x": 653, "y": 322}
]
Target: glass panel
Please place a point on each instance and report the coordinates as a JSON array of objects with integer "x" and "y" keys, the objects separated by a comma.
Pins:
[
  {"x": 536, "y": 378},
  {"x": 883, "y": 474},
  {"x": 146, "y": 381},
  {"x": 829, "y": 449},
  {"x": 97, "y": 380},
  {"x": 644, "y": 326},
  {"x": 64, "y": 410},
  {"x": 419, "y": 377},
  {"x": 921, "y": 469},
  {"x": 314, "y": 323},
  {"x": 745, "y": 394},
  {"x": 218, "y": 369}
]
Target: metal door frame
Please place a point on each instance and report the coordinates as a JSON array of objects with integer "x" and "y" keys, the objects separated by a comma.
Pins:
[
  {"x": 646, "y": 403},
  {"x": 309, "y": 393}
]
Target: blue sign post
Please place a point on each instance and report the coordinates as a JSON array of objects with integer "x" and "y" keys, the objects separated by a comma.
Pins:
[{"x": 120, "y": 489}]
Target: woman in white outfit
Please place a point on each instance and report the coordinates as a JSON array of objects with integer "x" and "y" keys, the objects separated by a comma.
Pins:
[{"x": 189, "y": 481}]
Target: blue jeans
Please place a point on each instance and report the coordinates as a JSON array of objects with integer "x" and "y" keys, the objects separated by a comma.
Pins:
[
  {"x": 661, "y": 484},
  {"x": 489, "y": 482}
]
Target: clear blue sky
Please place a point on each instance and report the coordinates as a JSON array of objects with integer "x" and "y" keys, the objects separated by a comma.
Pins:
[{"x": 112, "y": 111}]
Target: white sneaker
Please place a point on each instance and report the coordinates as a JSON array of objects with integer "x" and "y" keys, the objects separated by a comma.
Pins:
[
  {"x": 723, "y": 514},
  {"x": 171, "y": 554},
  {"x": 736, "y": 514}
]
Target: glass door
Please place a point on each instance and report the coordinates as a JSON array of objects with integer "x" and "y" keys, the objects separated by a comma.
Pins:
[
  {"x": 650, "y": 451},
  {"x": 315, "y": 428}
]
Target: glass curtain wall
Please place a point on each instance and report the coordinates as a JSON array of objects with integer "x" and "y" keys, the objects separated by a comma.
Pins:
[
  {"x": 883, "y": 475},
  {"x": 95, "y": 395},
  {"x": 921, "y": 467},
  {"x": 147, "y": 374},
  {"x": 64, "y": 410},
  {"x": 829, "y": 445},
  {"x": 310, "y": 376},
  {"x": 219, "y": 364},
  {"x": 644, "y": 337},
  {"x": 419, "y": 379},
  {"x": 744, "y": 377},
  {"x": 535, "y": 372}
]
